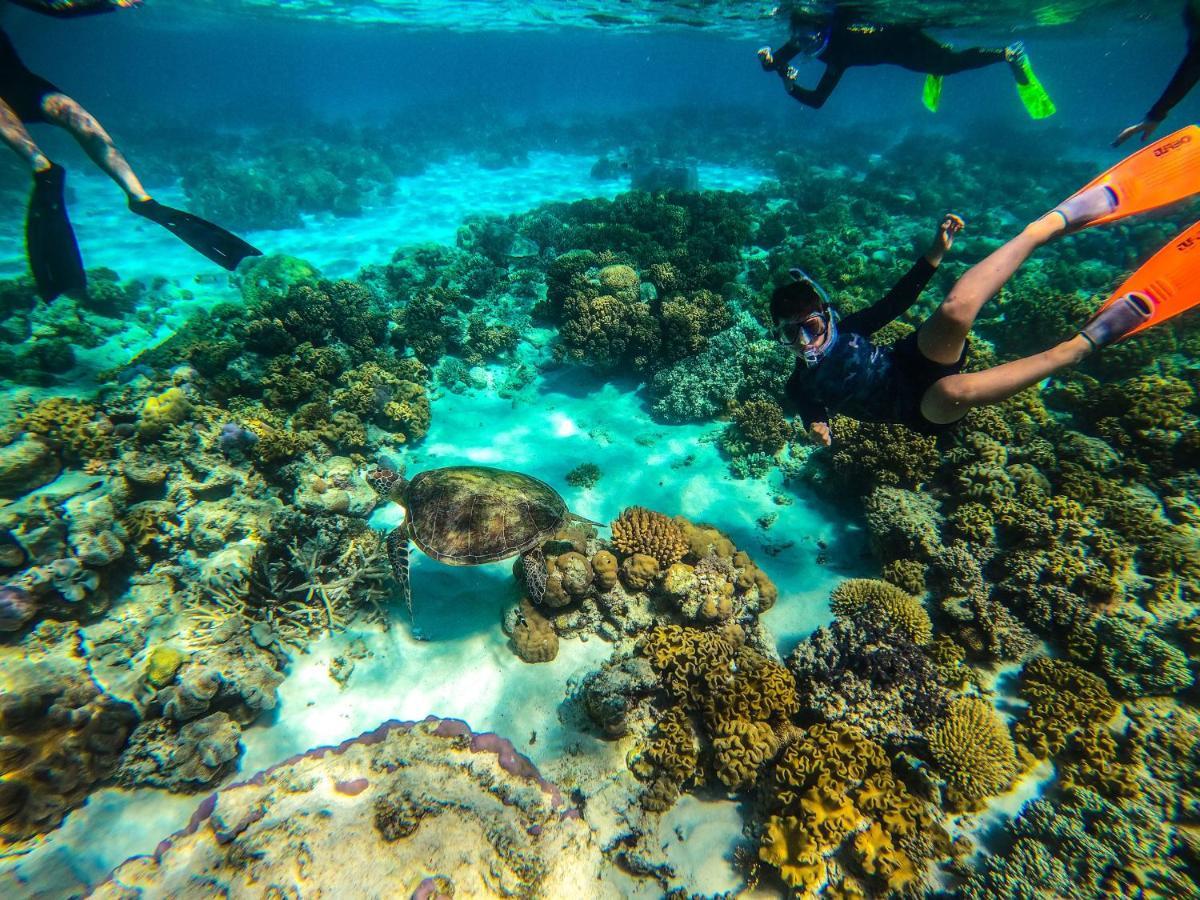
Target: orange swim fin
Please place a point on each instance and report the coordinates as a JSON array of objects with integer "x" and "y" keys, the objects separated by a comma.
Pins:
[
  {"x": 1168, "y": 283},
  {"x": 1161, "y": 173}
]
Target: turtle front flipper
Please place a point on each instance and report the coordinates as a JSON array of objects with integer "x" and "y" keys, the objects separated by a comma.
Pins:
[
  {"x": 534, "y": 563},
  {"x": 397, "y": 551}
]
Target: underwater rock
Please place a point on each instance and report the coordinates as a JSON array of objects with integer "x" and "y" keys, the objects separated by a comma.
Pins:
[
  {"x": 236, "y": 676},
  {"x": 387, "y": 811},
  {"x": 332, "y": 487},
  {"x": 17, "y": 607},
  {"x": 60, "y": 734},
  {"x": 26, "y": 464},
  {"x": 182, "y": 760}
]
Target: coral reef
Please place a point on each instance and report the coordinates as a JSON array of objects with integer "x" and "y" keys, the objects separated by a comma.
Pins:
[{"x": 417, "y": 801}]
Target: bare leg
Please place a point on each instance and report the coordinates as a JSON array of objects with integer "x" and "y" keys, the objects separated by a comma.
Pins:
[
  {"x": 942, "y": 336},
  {"x": 954, "y": 396},
  {"x": 14, "y": 133},
  {"x": 64, "y": 112}
]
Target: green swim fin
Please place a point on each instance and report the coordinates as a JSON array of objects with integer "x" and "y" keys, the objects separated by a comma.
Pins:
[
  {"x": 932, "y": 95},
  {"x": 1037, "y": 102}
]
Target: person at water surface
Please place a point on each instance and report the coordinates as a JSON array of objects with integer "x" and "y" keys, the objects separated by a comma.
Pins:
[
  {"x": 919, "y": 381},
  {"x": 843, "y": 41},
  {"x": 1181, "y": 83},
  {"x": 27, "y": 99}
]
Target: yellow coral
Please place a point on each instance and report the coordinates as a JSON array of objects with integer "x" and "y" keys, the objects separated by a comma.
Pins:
[
  {"x": 622, "y": 282},
  {"x": 703, "y": 540},
  {"x": 788, "y": 846},
  {"x": 640, "y": 530},
  {"x": 740, "y": 749},
  {"x": 161, "y": 411},
  {"x": 1063, "y": 698},
  {"x": 974, "y": 752},
  {"x": 674, "y": 751},
  {"x": 77, "y": 428},
  {"x": 871, "y": 601},
  {"x": 639, "y": 572},
  {"x": 604, "y": 564},
  {"x": 534, "y": 638},
  {"x": 162, "y": 665}
]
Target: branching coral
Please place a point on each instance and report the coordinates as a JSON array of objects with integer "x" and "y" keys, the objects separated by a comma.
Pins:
[{"x": 640, "y": 530}]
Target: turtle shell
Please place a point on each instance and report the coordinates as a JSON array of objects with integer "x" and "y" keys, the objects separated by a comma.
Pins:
[{"x": 467, "y": 515}]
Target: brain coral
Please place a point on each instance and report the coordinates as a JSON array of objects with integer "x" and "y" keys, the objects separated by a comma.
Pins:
[
  {"x": 640, "y": 530},
  {"x": 875, "y": 603},
  {"x": 974, "y": 751}
]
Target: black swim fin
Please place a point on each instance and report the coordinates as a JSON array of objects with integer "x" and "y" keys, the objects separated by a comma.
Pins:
[
  {"x": 50, "y": 240},
  {"x": 213, "y": 241}
]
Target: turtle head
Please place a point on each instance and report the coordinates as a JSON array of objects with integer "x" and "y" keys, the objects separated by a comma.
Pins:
[{"x": 387, "y": 483}]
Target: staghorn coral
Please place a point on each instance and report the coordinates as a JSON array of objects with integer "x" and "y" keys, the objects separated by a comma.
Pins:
[
  {"x": 974, "y": 751},
  {"x": 640, "y": 530},
  {"x": 883, "y": 606}
]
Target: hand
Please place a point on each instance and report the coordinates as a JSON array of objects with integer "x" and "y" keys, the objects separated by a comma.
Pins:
[
  {"x": 766, "y": 59},
  {"x": 792, "y": 73},
  {"x": 125, "y": 4},
  {"x": 947, "y": 231},
  {"x": 1146, "y": 127},
  {"x": 819, "y": 433}
]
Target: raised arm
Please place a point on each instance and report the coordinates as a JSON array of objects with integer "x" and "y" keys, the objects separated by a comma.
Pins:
[{"x": 904, "y": 293}]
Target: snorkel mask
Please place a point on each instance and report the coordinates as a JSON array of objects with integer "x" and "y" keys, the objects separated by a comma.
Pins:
[{"x": 810, "y": 329}]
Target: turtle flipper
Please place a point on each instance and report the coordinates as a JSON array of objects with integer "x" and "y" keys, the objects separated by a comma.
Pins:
[
  {"x": 397, "y": 551},
  {"x": 534, "y": 563}
]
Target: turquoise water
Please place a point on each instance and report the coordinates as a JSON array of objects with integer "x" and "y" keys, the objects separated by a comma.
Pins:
[{"x": 896, "y": 666}]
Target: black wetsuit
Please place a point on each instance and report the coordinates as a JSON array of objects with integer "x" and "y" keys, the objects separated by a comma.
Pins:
[
  {"x": 1188, "y": 72},
  {"x": 867, "y": 381},
  {"x": 849, "y": 43},
  {"x": 20, "y": 88}
]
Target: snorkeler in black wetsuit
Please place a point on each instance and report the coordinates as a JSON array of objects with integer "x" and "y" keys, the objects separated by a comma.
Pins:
[
  {"x": 26, "y": 99},
  {"x": 842, "y": 42},
  {"x": 1184, "y": 80},
  {"x": 919, "y": 381}
]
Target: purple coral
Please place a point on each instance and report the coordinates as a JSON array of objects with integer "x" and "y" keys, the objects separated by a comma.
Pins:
[
  {"x": 17, "y": 607},
  {"x": 234, "y": 437}
]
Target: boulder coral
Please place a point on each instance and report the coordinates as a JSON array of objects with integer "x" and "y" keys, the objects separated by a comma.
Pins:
[
  {"x": 883, "y": 606},
  {"x": 974, "y": 752}
]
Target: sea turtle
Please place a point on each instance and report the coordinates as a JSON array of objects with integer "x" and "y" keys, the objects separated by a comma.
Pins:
[{"x": 469, "y": 515}]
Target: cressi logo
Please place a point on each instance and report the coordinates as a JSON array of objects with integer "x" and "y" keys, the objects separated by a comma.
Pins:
[
  {"x": 1187, "y": 244},
  {"x": 1174, "y": 145}
]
